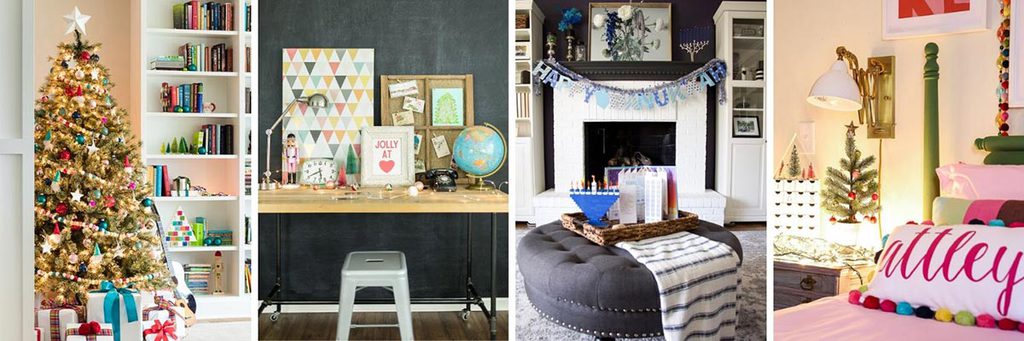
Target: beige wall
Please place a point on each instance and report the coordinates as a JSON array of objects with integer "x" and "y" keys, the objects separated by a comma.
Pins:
[
  {"x": 806, "y": 35},
  {"x": 110, "y": 26}
]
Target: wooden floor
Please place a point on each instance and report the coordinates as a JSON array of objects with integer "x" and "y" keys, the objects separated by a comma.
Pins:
[{"x": 426, "y": 326}]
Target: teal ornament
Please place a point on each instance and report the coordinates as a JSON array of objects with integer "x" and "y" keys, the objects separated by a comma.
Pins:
[
  {"x": 40, "y": 112},
  {"x": 997, "y": 223},
  {"x": 80, "y": 139},
  {"x": 192, "y": 67},
  {"x": 112, "y": 306},
  {"x": 202, "y": 150},
  {"x": 97, "y": 194},
  {"x": 41, "y": 199},
  {"x": 62, "y": 112},
  {"x": 147, "y": 202},
  {"x": 904, "y": 308},
  {"x": 179, "y": 108},
  {"x": 104, "y": 131},
  {"x": 106, "y": 81},
  {"x": 36, "y": 147},
  {"x": 217, "y": 241},
  {"x": 103, "y": 225}
]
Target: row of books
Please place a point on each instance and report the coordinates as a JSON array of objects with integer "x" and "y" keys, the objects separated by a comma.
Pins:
[
  {"x": 248, "y": 17},
  {"x": 248, "y": 177},
  {"x": 160, "y": 179},
  {"x": 196, "y": 15},
  {"x": 219, "y": 139},
  {"x": 197, "y": 278},
  {"x": 218, "y": 57},
  {"x": 248, "y": 275},
  {"x": 187, "y": 97}
]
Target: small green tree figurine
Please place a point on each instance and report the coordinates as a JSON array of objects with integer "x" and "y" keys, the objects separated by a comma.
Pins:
[
  {"x": 794, "y": 169},
  {"x": 852, "y": 188},
  {"x": 351, "y": 161}
]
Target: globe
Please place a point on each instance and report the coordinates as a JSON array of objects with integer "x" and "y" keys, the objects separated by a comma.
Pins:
[{"x": 479, "y": 151}]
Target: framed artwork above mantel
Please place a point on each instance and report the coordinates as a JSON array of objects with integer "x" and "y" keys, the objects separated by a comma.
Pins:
[
  {"x": 657, "y": 17},
  {"x": 919, "y": 18}
]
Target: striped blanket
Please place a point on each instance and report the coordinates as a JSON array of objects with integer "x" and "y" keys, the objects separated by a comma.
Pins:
[{"x": 697, "y": 279}]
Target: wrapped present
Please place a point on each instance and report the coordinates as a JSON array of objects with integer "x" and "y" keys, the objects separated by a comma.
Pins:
[
  {"x": 160, "y": 331},
  {"x": 51, "y": 316},
  {"x": 89, "y": 331},
  {"x": 120, "y": 307},
  {"x": 39, "y": 334},
  {"x": 163, "y": 310}
]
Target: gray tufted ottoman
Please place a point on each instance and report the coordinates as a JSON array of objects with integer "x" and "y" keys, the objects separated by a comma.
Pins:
[{"x": 597, "y": 290}]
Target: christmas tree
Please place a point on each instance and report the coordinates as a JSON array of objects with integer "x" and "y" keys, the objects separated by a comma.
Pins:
[
  {"x": 351, "y": 161},
  {"x": 794, "y": 164},
  {"x": 93, "y": 221},
  {"x": 851, "y": 189}
]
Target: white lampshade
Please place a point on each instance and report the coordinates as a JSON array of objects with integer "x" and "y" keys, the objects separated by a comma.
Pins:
[{"x": 835, "y": 90}]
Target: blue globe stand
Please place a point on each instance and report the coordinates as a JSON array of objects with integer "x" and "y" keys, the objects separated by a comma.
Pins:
[{"x": 595, "y": 205}]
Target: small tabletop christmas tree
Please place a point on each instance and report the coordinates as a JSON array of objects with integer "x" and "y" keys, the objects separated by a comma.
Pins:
[
  {"x": 793, "y": 168},
  {"x": 851, "y": 189},
  {"x": 93, "y": 221}
]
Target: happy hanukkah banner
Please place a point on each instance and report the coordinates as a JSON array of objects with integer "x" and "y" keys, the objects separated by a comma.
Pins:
[{"x": 559, "y": 77}]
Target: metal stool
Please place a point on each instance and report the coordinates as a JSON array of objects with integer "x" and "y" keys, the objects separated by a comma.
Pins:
[{"x": 374, "y": 269}]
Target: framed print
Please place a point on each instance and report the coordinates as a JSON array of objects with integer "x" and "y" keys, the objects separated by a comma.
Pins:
[
  {"x": 387, "y": 156},
  {"x": 522, "y": 50},
  {"x": 630, "y": 44},
  {"x": 919, "y": 18},
  {"x": 746, "y": 126}
]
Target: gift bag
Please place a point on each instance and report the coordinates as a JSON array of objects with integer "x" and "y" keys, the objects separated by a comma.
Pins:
[
  {"x": 159, "y": 330},
  {"x": 89, "y": 331},
  {"x": 51, "y": 317},
  {"x": 119, "y": 307}
]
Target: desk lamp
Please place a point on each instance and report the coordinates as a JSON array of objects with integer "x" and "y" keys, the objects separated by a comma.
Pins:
[{"x": 316, "y": 101}]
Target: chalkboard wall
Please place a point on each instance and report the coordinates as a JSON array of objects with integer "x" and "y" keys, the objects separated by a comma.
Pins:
[{"x": 409, "y": 37}]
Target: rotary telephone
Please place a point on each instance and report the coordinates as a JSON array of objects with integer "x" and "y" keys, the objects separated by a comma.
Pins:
[{"x": 442, "y": 179}]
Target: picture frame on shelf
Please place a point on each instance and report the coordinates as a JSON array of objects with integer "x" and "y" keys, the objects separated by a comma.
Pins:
[
  {"x": 653, "y": 11},
  {"x": 522, "y": 50},
  {"x": 387, "y": 156},
  {"x": 746, "y": 126},
  {"x": 903, "y": 19},
  {"x": 447, "y": 107}
]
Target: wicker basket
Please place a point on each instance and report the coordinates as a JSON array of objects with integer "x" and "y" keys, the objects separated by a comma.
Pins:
[{"x": 577, "y": 222}]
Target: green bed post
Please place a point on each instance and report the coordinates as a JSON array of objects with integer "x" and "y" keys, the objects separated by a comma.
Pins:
[{"x": 931, "y": 128}]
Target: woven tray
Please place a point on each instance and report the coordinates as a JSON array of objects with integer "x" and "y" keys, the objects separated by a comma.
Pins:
[{"x": 577, "y": 222}]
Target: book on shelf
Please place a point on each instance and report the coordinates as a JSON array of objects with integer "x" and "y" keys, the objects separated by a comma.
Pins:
[
  {"x": 248, "y": 275},
  {"x": 248, "y": 231},
  {"x": 248, "y": 17},
  {"x": 217, "y": 57},
  {"x": 219, "y": 139},
  {"x": 248, "y": 56},
  {"x": 248, "y": 177},
  {"x": 160, "y": 179},
  {"x": 187, "y": 97},
  {"x": 248, "y": 100},
  {"x": 197, "y": 278},
  {"x": 172, "y": 63},
  {"x": 196, "y": 15}
]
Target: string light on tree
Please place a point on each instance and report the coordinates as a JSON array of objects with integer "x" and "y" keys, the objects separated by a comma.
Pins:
[{"x": 84, "y": 139}]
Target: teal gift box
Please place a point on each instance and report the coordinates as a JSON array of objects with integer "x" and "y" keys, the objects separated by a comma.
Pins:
[{"x": 125, "y": 330}]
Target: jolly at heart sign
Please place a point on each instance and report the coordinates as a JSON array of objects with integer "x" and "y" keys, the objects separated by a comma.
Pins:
[{"x": 386, "y": 156}]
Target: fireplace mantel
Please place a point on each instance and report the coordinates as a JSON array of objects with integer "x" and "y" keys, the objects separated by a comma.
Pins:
[{"x": 632, "y": 71}]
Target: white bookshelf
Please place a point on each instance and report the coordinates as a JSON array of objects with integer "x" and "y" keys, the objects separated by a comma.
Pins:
[
  {"x": 155, "y": 35},
  {"x": 529, "y": 114}
]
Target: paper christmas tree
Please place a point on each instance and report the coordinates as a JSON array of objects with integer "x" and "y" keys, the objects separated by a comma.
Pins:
[{"x": 181, "y": 233}]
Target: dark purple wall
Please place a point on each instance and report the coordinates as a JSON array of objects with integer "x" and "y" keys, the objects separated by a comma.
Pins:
[{"x": 685, "y": 13}]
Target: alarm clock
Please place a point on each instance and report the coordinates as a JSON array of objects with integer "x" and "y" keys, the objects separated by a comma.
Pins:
[{"x": 318, "y": 172}]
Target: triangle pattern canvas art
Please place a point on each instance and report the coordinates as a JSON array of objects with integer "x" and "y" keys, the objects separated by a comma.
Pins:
[{"x": 345, "y": 76}]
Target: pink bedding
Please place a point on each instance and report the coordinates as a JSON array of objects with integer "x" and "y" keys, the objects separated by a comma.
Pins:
[{"x": 833, "y": 318}]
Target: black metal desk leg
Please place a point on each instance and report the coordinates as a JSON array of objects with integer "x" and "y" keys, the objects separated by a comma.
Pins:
[
  {"x": 469, "y": 264},
  {"x": 494, "y": 276},
  {"x": 276, "y": 290}
]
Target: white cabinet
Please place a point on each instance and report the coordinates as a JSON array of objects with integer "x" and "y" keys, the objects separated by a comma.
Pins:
[
  {"x": 740, "y": 163},
  {"x": 529, "y": 111}
]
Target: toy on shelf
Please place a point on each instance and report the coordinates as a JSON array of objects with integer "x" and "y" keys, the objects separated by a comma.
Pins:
[
  {"x": 218, "y": 273},
  {"x": 291, "y": 156},
  {"x": 181, "y": 231}
]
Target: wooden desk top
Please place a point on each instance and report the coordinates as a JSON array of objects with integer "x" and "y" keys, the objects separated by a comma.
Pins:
[{"x": 374, "y": 200}]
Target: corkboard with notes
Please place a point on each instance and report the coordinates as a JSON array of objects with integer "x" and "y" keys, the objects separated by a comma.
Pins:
[{"x": 408, "y": 100}]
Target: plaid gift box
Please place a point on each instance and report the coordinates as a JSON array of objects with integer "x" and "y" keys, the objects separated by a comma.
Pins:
[
  {"x": 106, "y": 333},
  {"x": 51, "y": 316}
]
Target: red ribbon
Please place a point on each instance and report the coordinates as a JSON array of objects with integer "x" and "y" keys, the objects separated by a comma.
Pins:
[{"x": 163, "y": 332}]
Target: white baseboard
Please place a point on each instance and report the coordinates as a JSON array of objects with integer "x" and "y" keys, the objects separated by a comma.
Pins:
[{"x": 364, "y": 308}]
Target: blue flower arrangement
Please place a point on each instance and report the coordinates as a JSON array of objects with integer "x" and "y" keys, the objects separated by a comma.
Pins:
[{"x": 570, "y": 17}]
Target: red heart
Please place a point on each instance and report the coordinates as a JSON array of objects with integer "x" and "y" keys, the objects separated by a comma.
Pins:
[{"x": 386, "y": 165}]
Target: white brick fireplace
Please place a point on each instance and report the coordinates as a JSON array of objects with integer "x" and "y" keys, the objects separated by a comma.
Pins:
[{"x": 690, "y": 118}]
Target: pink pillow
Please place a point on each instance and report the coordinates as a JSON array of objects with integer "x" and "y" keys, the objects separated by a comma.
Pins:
[
  {"x": 960, "y": 267},
  {"x": 981, "y": 181}
]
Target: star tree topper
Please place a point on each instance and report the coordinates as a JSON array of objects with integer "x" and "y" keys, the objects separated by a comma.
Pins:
[
  {"x": 851, "y": 130},
  {"x": 76, "y": 21}
]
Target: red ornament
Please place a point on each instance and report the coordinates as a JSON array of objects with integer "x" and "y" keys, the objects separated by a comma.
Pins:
[
  {"x": 109, "y": 202},
  {"x": 76, "y": 227},
  {"x": 84, "y": 55},
  {"x": 856, "y": 174},
  {"x": 44, "y": 99},
  {"x": 832, "y": 220},
  {"x": 56, "y": 228},
  {"x": 874, "y": 196},
  {"x": 852, "y": 195},
  {"x": 78, "y": 92},
  {"x": 873, "y": 219},
  {"x": 69, "y": 91},
  {"x": 89, "y": 328},
  {"x": 65, "y": 155},
  {"x": 61, "y": 209}
]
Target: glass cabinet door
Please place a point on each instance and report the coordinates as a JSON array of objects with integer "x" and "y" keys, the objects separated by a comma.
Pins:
[{"x": 747, "y": 49}]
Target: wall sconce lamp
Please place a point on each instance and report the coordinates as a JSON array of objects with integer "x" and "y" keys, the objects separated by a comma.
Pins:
[{"x": 870, "y": 91}]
